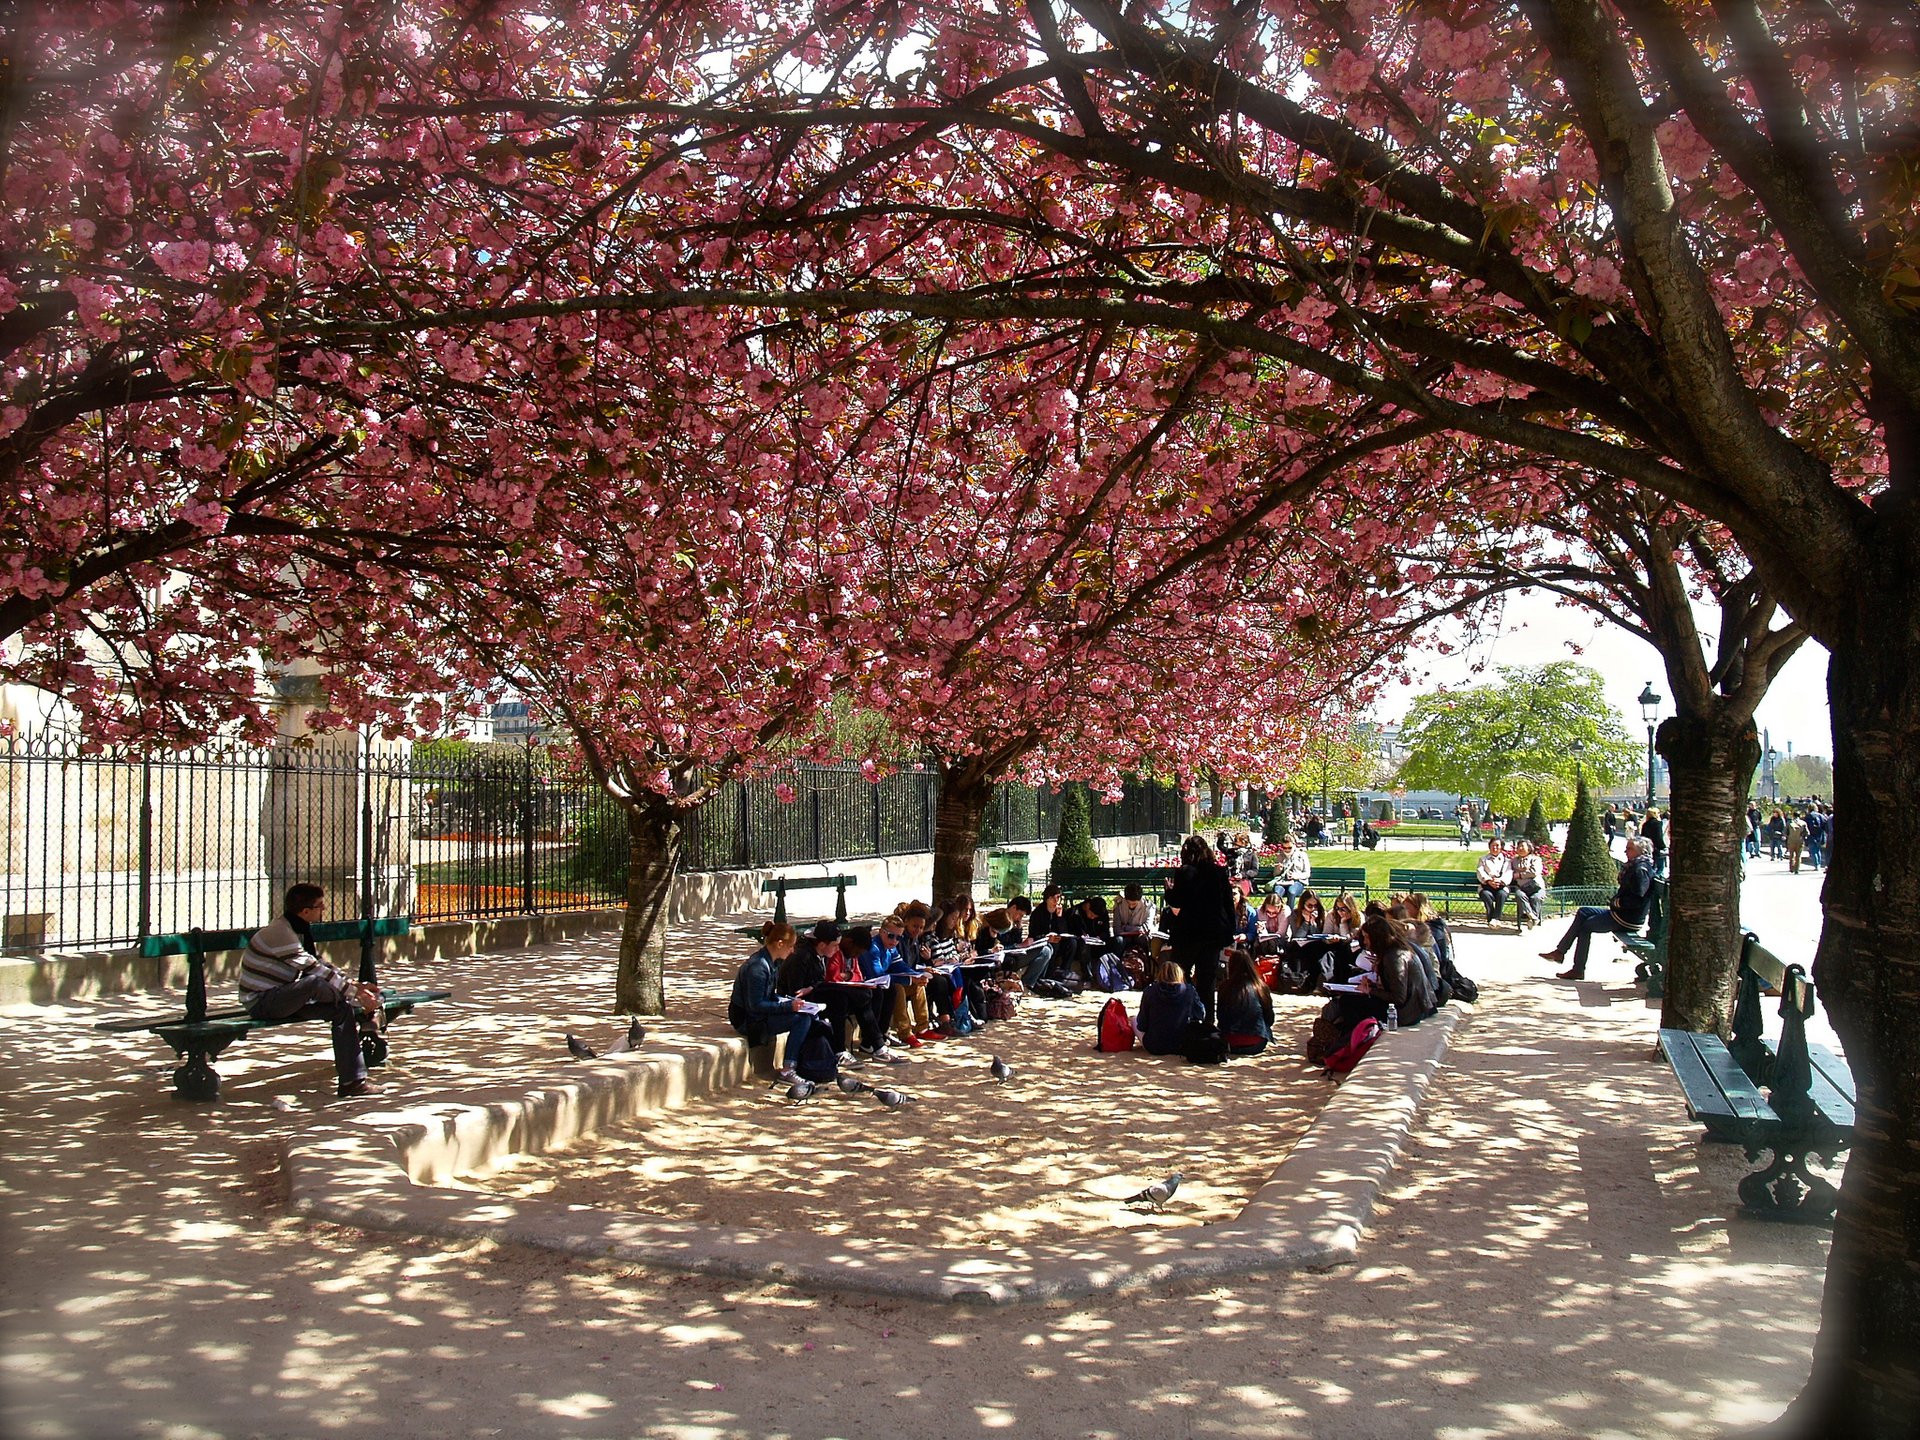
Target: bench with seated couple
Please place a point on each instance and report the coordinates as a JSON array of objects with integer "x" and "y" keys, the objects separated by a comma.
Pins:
[
  {"x": 1805, "y": 1108},
  {"x": 198, "y": 1036}
]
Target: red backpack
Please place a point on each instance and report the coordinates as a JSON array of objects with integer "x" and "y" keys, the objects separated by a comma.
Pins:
[
  {"x": 1342, "y": 1061},
  {"x": 1116, "y": 1030}
]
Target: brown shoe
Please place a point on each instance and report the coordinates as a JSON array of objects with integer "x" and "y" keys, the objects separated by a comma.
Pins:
[
  {"x": 1569, "y": 975},
  {"x": 1554, "y": 955},
  {"x": 355, "y": 1090}
]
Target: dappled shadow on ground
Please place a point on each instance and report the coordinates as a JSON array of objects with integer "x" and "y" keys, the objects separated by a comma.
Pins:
[
  {"x": 1052, "y": 1153},
  {"x": 1555, "y": 1257}
]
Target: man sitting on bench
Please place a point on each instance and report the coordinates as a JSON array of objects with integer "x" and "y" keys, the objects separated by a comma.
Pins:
[
  {"x": 283, "y": 978},
  {"x": 1627, "y": 911}
]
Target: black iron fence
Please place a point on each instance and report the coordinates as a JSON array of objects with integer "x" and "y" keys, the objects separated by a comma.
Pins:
[{"x": 103, "y": 849}]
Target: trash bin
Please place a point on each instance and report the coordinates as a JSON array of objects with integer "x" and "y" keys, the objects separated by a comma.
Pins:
[{"x": 1007, "y": 873}]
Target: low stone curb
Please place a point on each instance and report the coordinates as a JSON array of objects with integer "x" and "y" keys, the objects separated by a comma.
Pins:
[{"x": 386, "y": 1172}]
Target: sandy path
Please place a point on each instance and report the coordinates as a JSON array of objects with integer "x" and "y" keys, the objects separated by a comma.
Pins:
[
  {"x": 1052, "y": 1153},
  {"x": 1555, "y": 1257}
]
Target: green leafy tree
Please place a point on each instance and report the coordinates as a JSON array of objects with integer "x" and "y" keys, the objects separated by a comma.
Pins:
[
  {"x": 1538, "y": 830},
  {"x": 1532, "y": 733},
  {"x": 1585, "y": 860},
  {"x": 1076, "y": 849},
  {"x": 1338, "y": 757},
  {"x": 1802, "y": 775}
]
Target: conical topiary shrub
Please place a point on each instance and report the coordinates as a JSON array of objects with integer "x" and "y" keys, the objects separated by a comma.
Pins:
[
  {"x": 1076, "y": 849},
  {"x": 1537, "y": 829},
  {"x": 1586, "y": 861}
]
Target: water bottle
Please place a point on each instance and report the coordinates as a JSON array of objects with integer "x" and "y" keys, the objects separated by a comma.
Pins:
[{"x": 1393, "y": 1017}]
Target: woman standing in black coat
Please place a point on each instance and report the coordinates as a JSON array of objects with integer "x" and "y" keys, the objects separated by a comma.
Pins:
[{"x": 1200, "y": 917}]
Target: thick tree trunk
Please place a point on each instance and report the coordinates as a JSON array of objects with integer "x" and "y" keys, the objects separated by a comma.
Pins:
[
  {"x": 1866, "y": 1371},
  {"x": 653, "y": 848},
  {"x": 1709, "y": 759},
  {"x": 964, "y": 796}
]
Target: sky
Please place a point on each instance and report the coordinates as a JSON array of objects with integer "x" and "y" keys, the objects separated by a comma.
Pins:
[{"x": 1538, "y": 629}]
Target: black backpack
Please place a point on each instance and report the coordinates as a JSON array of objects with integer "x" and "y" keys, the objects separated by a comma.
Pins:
[
  {"x": 817, "y": 1061},
  {"x": 1202, "y": 1044}
]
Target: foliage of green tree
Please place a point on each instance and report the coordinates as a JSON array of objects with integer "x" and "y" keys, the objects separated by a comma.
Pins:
[
  {"x": 1076, "y": 849},
  {"x": 1338, "y": 758},
  {"x": 1585, "y": 861},
  {"x": 1802, "y": 775},
  {"x": 1536, "y": 731},
  {"x": 1538, "y": 831}
]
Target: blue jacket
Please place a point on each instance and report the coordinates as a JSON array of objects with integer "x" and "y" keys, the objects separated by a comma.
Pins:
[
  {"x": 881, "y": 960},
  {"x": 1165, "y": 1013},
  {"x": 754, "y": 996}
]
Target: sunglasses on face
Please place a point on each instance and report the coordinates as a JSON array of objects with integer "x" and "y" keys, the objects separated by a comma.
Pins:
[{"x": 889, "y": 934}]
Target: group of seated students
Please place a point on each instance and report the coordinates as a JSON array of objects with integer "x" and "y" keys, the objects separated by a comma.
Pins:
[
  {"x": 877, "y": 991},
  {"x": 917, "y": 977},
  {"x": 1397, "y": 951}
]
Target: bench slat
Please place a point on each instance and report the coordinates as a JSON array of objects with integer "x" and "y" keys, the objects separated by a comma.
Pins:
[
  {"x": 814, "y": 882},
  {"x": 1831, "y": 1088},
  {"x": 1714, "y": 1084}
]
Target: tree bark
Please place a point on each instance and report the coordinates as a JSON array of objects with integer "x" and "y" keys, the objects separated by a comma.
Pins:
[
  {"x": 653, "y": 849},
  {"x": 964, "y": 796},
  {"x": 1709, "y": 758},
  {"x": 1866, "y": 1367}
]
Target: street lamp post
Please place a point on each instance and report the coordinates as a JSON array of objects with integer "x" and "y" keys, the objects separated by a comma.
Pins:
[
  {"x": 1773, "y": 777},
  {"x": 1649, "y": 712}
]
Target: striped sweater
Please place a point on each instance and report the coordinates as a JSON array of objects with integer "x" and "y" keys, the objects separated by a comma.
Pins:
[{"x": 277, "y": 955}]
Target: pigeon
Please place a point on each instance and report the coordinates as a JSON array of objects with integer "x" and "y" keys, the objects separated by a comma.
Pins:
[
  {"x": 801, "y": 1091},
  {"x": 893, "y": 1099},
  {"x": 1158, "y": 1193},
  {"x": 636, "y": 1034},
  {"x": 579, "y": 1049},
  {"x": 852, "y": 1086},
  {"x": 1002, "y": 1071}
]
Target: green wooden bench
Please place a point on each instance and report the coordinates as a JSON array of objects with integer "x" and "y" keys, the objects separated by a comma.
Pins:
[
  {"x": 1650, "y": 949},
  {"x": 1331, "y": 879},
  {"x": 781, "y": 884},
  {"x": 198, "y": 1036},
  {"x": 1082, "y": 880},
  {"x": 1805, "y": 1110},
  {"x": 1445, "y": 886}
]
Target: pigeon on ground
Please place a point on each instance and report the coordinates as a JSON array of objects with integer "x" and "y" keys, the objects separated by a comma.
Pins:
[
  {"x": 1158, "y": 1193},
  {"x": 894, "y": 1099},
  {"x": 618, "y": 1047},
  {"x": 852, "y": 1086},
  {"x": 579, "y": 1049},
  {"x": 801, "y": 1091},
  {"x": 1001, "y": 1070}
]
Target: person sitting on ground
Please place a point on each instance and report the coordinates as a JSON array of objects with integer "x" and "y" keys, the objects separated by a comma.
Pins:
[
  {"x": 1270, "y": 925},
  {"x": 892, "y": 954},
  {"x": 1292, "y": 872},
  {"x": 1343, "y": 921},
  {"x": 1033, "y": 957},
  {"x": 1093, "y": 931},
  {"x": 1133, "y": 919},
  {"x": 1420, "y": 935},
  {"x": 1495, "y": 874},
  {"x": 1401, "y": 978},
  {"x": 758, "y": 1011},
  {"x": 282, "y": 977},
  {"x": 1420, "y": 912},
  {"x": 1627, "y": 911},
  {"x": 1527, "y": 884},
  {"x": 1167, "y": 1007},
  {"x": 1309, "y": 918},
  {"x": 1245, "y": 1007}
]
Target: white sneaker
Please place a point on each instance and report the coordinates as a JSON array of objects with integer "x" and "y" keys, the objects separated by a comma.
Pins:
[
  {"x": 850, "y": 1061},
  {"x": 786, "y": 1074},
  {"x": 887, "y": 1055}
]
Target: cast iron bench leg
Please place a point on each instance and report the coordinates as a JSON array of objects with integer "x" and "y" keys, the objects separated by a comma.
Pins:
[{"x": 1786, "y": 1189}]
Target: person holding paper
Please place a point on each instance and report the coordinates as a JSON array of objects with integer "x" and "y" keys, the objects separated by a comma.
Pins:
[{"x": 758, "y": 1011}]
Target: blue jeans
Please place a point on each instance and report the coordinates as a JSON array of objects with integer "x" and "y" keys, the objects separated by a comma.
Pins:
[
  {"x": 1588, "y": 921},
  {"x": 793, "y": 1024},
  {"x": 1038, "y": 955},
  {"x": 1292, "y": 889},
  {"x": 1816, "y": 853},
  {"x": 317, "y": 997}
]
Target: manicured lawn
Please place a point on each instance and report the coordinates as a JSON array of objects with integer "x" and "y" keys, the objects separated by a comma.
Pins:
[{"x": 1379, "y": 862}]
